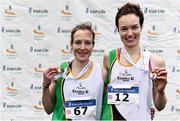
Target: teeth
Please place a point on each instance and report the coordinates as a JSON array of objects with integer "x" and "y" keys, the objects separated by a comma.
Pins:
[{"x": 130, "y": 39}]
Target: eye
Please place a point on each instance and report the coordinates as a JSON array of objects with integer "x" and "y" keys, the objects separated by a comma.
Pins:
[
  {"x": 88, "y": 42},
  {"x": 135, "y": 27},
  {"x": 77, "y": 42},
  {"x": 124, "y": 29}
]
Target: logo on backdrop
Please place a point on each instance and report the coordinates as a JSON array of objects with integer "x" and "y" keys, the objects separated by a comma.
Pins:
[
  {"x": 65, "y": 53},
  {"x": 12, "y": 69},
  {"x": 38, "y": 33},
  {"x": 176, "y": 30},
  {"x": 36, "y": 88},
  {"x": 66, "y": 12},
  {"x": 11, "y": 87},
  {"x": 154, "y": 11},
  {"x": 153, "y": 31},
  {"x": 10, "y": 52},
  {"x": 177, "y": 13},
  {"x": 96, "y": 12},
  {"x": 177, "y": 107},
  {"x": 11, "y": 106},
  {"x": 97, "y": 33},
  {"x": 115, "y": 30},
  {"x": 36, "y": 12},
  {"x": 39, "y": 51},
  {"x": 9, "y": 13},
  {"x": 158, "y": 51},
  {"x": 178, "y": 54},
  {"x": 11, "y": 31},
  {"x": 38, "y": 70},
  {"x": 64, "y": 31},
  {"x": 38, "y": 107},
  {"x": 66, "y": 50},
  {"x": 175, "y": 69},
  {"x": 98, "y": 52},
  {"x": 178, "y": 51}
]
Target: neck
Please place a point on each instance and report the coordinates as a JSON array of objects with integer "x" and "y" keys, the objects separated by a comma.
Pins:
[
  {"x": 132, "y": 51},
  {"x": 78, "y": 64}
]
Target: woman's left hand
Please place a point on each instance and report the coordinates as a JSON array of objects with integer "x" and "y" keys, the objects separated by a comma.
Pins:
[{"x": 161, "y": 81}]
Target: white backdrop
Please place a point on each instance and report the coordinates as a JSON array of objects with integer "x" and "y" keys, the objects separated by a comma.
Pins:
[{"x": 35, "y": 34}]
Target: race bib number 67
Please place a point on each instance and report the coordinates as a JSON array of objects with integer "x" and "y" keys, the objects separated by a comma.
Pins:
[{"x": 80, "y": 108}]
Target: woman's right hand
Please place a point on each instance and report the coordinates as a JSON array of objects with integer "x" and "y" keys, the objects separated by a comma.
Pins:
[{"x": 48, "y": 75}]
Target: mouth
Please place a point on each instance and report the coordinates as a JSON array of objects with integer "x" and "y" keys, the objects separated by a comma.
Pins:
[
  {"x": 131, "y": 39},
  {"x": 82, "y": 54}
]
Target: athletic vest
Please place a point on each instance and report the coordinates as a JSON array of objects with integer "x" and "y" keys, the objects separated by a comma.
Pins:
[
  {"x": 80, "y": 99},
  {"x": 136, "y": 100}
]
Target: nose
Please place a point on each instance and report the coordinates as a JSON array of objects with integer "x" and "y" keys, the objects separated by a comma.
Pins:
[
  {"x": 130, "y": 32},
  {"x": 82, "y": 46}
]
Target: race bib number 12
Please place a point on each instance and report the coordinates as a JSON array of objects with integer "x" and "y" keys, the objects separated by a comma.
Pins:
[{"x": 123, "y": 95}]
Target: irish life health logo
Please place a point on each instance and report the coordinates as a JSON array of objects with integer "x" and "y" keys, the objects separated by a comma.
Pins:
[
  {"x": 9, "y": 13},
  {"x": 11, "y": 106},
  {"x": 39, "y": 51},
  {"x": 11, "y": 88},
  {"x": 66, "y": 12},
  {"x": 152, "y": 31},
  {"x": 178, "y": 54},
  {"x": 38, "y": 107},
  {"x": 95, "y": 12},
  {"x": 176, "y": 30},
  {"x": 66, "y": 50},
  {"x": 154, "y": 11},
  {"x": 12, "y": 69},
  {"x": 10, "y": 52},
  {"x": 64, "y": 31},
  {"x": 38, "y": 70},
  {"x": 11, "y": 31},
  {"x": 97, "y": 33},
  {"x": 177, "y": 107},
  {"x": 37, "y": 12},
  {"x": 38, "y": 33}
]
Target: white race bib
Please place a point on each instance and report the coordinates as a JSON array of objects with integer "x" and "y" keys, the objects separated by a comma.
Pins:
[
  {"x": 79, "y": 109},
  {"x": 123, "y": 94}
]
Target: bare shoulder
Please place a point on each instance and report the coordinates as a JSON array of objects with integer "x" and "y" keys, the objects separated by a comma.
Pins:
[{"x": 157, "y": 60}]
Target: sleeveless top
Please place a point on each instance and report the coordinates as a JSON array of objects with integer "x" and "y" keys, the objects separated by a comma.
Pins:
[
  {"x": 79, "y": 99},
  {"x": 129, "y": 89}
]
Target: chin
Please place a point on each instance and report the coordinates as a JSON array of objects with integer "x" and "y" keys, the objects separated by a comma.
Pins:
[
  {"x": 81, "y": 59},
  {"x": 84, "y": 58},
  {"x": 130, "y": 45}
]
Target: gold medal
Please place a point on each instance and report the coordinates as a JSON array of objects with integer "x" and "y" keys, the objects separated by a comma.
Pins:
[{"x": 60, "y": 70}]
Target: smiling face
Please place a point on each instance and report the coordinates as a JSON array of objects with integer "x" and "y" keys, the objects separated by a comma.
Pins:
[
  {"x": 129, "y": 30},
  {"x": 82, "y": 45}
]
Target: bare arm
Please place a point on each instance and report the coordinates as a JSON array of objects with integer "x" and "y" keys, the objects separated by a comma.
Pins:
[
  {"x": 105, "y": 67},
  {"x": 48, "y": 98},
  {"x": 159, "y": 67}
]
